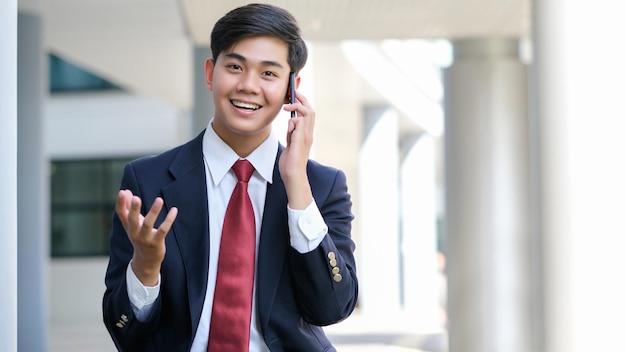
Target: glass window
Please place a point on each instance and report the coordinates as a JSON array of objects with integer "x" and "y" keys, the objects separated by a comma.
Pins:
[
  {"x": 83, "y": 194},
  {"x": 65, "y": 77}
]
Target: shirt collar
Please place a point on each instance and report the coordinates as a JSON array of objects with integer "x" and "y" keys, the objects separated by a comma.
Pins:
[{"x": 220, "y": 157}]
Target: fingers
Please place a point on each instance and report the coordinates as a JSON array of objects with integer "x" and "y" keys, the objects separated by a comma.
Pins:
[
  {"x": 122, "y": 206},
  {"x": 166, "y": 225},
  {"x": 138, "y": 227},
  {"x": 293, "y": 160},
  {"x": 302, "y": 99},
  {"x": 124, "y": 210},
  {"x": 153, "y": 213},
  {"x": 303, "y": 122},
  {"x": 134, "y": 218},
  {"x": 302, "y": 107},
  {"x": 150, "y": 219}
]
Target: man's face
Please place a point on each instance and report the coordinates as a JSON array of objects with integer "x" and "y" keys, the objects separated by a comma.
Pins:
[{"x": 249, "y": 82}]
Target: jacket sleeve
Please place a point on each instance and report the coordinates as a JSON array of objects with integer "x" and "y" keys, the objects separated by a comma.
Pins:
[
  {"x": 325, "y": 279},
  {"x": 127, "y": 332}
]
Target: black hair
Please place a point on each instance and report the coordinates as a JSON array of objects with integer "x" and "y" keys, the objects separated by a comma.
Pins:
[{"x": 260, "y": 20}]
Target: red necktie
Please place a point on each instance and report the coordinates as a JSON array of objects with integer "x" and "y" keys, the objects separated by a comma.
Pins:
[{"x": 232, "y": 304}]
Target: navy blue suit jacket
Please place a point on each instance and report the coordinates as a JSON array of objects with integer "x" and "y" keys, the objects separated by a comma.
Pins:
[{"x": 296, "y": 293}]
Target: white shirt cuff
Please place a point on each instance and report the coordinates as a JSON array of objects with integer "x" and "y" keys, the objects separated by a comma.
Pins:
[
  {"x": 307, "y": 228},
  {"x": 141, "y": 297}
]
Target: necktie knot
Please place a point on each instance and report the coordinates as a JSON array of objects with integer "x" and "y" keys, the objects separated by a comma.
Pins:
[{"x": 243, "y": 170}]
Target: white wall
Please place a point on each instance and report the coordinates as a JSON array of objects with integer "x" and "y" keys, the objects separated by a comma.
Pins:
[
  {"x": 76, "y": 290},
  {"x": 111, "y": 124}
]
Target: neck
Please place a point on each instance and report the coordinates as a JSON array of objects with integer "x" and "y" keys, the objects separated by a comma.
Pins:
[{"x": 243, "y": 145}]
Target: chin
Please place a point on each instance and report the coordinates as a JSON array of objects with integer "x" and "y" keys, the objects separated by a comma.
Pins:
[{"x": 247, "y": 128}]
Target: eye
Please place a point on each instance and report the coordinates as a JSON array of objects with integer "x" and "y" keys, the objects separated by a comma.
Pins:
[
  {"x": 234, "y": 67},
  {"x": 269, "y": 74}
]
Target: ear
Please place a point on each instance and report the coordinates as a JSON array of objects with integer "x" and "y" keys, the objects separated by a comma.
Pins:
[
  {"x": 209, "y": 66},
  {"x": 297, "y": 82}
]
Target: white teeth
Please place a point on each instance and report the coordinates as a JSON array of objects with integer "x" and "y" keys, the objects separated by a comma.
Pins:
[{"x": 244, "y": 105}]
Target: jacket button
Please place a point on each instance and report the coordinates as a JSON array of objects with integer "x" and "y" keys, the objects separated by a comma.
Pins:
[{"x": 337, "y": 277}]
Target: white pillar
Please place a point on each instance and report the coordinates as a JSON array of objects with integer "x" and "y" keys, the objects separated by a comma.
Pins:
[
  {"x": 487, "y": 198},
  {"x": 581, "y": 117},
  {"x": 420, "y": 278},
  {"x": 379, "y": 273},
  {"x": 8, "y": 176},
  {"x": 33, "y": 204}
]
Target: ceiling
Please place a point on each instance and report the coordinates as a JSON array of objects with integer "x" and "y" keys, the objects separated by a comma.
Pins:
[
  {"x": 381, "y": 19},
  {"x": 144, "y": 45}
]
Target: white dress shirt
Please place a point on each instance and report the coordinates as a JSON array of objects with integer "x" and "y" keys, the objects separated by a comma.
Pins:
[{"x": 306, "y": 227}]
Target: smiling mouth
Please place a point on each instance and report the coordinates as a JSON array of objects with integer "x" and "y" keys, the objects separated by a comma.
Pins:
[{"x": 244, "y": 105}]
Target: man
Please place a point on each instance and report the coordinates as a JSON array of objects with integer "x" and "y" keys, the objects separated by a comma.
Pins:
[{"x": 166, "y": 277}]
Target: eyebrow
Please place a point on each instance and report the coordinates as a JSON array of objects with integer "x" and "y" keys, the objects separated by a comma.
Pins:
[{"x": 243, "y": 59}]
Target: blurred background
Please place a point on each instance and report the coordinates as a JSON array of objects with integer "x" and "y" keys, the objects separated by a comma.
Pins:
[{"x": 483, "y": 142}]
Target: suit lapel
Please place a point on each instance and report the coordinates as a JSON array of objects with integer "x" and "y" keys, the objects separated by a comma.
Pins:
[
  {"x": 188, "y": 194},
  {"x": 273, "y": 244}
]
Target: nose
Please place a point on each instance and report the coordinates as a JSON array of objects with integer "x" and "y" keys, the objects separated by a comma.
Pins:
[{"x": 249, "y": 83}]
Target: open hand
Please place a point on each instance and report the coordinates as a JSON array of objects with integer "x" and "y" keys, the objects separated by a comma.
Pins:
[{"x": 148, "y": 242}]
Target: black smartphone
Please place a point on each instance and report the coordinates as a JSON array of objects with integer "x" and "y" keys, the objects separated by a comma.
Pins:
[{"x": 292, "y": 90}]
